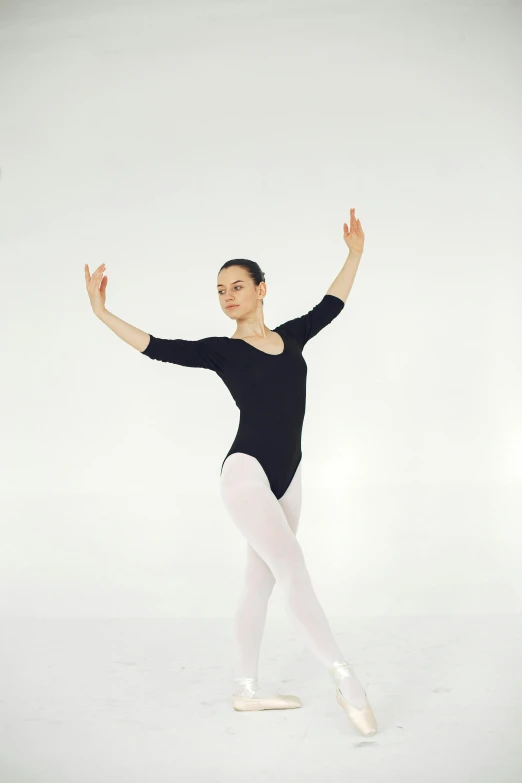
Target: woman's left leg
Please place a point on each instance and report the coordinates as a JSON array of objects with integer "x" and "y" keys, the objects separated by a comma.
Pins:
[{"x": 258, "y": 584}]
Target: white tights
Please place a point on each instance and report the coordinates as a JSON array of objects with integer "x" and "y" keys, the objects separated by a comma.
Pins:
[{"x": 273, "y": 554}]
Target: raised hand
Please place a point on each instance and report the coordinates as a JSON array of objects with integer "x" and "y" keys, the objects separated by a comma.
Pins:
[
  {"x": 354, "y": 238},
  {"x": 94, "y": 289}
]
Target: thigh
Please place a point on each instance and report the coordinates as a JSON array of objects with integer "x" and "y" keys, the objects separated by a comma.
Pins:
[
  {"x": 292, "y": 500},
  {"x": 256, "y": 568},
  {"x": 256, "y": 511},
  {"x": 245, "y": 465}
]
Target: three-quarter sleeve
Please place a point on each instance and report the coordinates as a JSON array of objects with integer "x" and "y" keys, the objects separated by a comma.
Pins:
[
  {"x": 203, "y": 353},
  {"x": 307, "y": 326}
]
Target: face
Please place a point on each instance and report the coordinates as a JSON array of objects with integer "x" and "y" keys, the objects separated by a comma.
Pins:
[{"x": 237, "y": 293}]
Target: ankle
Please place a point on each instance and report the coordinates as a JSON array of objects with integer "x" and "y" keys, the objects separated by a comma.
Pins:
[
  {"x": 245, "y": 686},
  {"x": 348, "y": 684},
  {"x": 339, "y": 670}
]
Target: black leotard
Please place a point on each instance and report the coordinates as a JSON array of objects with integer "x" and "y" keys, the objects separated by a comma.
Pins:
[{"x": 269, "y": 389}]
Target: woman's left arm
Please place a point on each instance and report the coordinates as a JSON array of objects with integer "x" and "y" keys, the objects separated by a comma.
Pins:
[{"x": 354, "y": 238}]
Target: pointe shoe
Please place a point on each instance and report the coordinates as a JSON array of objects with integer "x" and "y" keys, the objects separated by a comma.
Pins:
[
  {"x": 362, "y": 718},
  {"x": 249, "y": 697}
]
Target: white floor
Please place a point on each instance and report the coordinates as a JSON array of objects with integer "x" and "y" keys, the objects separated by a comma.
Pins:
[{"x": 102, "y": 701}]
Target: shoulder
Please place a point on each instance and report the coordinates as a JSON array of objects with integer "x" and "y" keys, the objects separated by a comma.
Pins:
[
  {"x": 306, "y": 326},
  {"x": 216, "y": 343}
]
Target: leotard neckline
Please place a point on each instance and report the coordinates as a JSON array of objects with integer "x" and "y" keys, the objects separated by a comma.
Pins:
[{"x": 241, "y": 339}]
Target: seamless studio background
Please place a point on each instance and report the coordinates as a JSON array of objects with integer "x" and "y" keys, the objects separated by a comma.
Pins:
[{"x": 166, "y": 138}]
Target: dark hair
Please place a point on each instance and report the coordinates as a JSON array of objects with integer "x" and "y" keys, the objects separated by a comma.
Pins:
[{"x": 252, "y": 267}]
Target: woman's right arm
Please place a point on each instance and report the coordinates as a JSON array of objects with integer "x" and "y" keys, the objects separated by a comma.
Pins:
[
  {"x": 96, "y": 285},
  {"x": 189, "y": 353},
  {"x": 130, "y": 334}
]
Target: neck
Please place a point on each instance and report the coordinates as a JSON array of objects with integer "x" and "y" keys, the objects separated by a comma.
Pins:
[{"x": 255, "y": 327}]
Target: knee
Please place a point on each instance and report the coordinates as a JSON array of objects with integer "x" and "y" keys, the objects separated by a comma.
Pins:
[
  {"x": 264, "y": 585},
  {"x": 259, "y": 578},
  {"x": 290, "y": 568}
]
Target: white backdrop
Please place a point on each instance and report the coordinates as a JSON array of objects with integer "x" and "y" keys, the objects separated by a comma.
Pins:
[{"x": 164, "y": 139}]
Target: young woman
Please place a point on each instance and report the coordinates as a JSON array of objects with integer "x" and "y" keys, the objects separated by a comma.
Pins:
[{"x": 260, "y": 479}]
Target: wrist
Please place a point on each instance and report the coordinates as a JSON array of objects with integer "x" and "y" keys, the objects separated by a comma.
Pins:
[{"x": 354, "y": 255}]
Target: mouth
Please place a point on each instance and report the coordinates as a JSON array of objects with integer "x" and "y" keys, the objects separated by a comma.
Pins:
[{"x": 230, "y": 306}]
